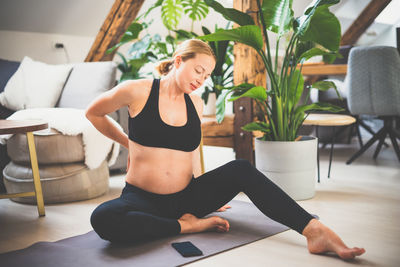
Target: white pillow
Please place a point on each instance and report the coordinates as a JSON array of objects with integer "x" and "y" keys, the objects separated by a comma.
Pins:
[{"x": 34, "y": 85}]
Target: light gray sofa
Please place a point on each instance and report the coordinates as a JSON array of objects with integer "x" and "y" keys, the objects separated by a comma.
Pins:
[{"x": 63, "y": 173}]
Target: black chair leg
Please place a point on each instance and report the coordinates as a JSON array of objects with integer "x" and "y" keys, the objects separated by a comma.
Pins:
[
  {"x": 352, "y": 129},
  {"x": 378, "y": 148},
  {"x": 367, "y": 145},
  {"x": 366, "y": 127},
  {"x": 359, "y": 136},
  {"x": 394, "y": 142},
  {"x": 330, "y": 155},
  {"x": 316, "y": 129}
]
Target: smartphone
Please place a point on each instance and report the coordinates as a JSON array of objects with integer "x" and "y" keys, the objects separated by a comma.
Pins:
[{"x": 187, "y": 249}]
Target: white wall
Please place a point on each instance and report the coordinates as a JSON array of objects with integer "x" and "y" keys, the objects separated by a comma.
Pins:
[
  {"x": 14, "y": 45},
  {"x": 39, "y": 43},
  {"x": 387, "y": 37}
]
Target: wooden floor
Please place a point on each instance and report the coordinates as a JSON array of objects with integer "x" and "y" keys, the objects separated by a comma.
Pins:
[{"x": 360, "y": 202}]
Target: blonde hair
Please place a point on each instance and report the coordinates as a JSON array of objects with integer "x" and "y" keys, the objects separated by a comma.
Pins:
[{"x": 187, "y": 50}]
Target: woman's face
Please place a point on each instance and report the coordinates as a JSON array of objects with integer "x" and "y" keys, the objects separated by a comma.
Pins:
[{"x": 192, "y": 73}]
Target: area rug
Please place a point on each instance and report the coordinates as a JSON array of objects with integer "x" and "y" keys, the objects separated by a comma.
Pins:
[{"x": 247, "y": 224}]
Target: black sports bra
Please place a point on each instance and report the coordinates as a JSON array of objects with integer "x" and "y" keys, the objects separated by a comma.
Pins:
[{"x": 148, "y": 129}]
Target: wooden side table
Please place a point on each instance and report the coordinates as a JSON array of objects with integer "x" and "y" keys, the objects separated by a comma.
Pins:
[
  {"x": 328, "y": 120},
  {"x": 27, "y": 127}
]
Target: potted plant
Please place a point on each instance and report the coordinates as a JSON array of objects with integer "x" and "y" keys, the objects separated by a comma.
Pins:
[
  {"x": 222, "y": 75},
  {"x": 286, "y": 158},
  {"x": 152, "y": 48}
]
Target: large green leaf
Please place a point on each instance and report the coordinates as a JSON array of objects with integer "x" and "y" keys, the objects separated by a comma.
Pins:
[
  {"x": 326, "y": 85},
  {"x": 296, "y": 87},
  {"x": 195, "y": 9},
  {"x": 182, "y": 35},
  {"x": 278, "y": 15},
  {"x": 318, "y": 106},
  {"x": 316, "y": 52},
  {"x": 316, "y": 3},
  {"x": 301, "y": 23},
  {"x": 157, "y": 4},
  {"x": 249, "y": 35},
  {"x": 257, "y": 126},
  {"x": 220, "y": 50},
  {"x": 171, "y": 12},
  {"x": 220, "y": 111},
  {"x": 323, "y": 28},
  {"x": 231, "y": 13},
  {"x": 140, "y": 47},
  {"x": 131, "y": 34},
  {"x": 258, "y": 93},
  {"x": 239, "y": 89}
]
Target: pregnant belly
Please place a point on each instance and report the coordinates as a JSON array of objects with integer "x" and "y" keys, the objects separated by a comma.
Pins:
[{"x": 159, "y": 170}]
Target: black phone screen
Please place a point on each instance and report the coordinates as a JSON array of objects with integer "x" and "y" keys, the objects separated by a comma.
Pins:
[{"x": 187, "y": 249}]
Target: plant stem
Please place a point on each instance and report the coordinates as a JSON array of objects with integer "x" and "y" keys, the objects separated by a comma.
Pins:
[
  {"x": 269, "y": 70},
  {"x": 284, "y": 65},
  {"x": 271, "y": 122},
  {"x": 276, "y": 55},
  {"x": 264, "y": 29},
  {"x": 281, "y": 134}
]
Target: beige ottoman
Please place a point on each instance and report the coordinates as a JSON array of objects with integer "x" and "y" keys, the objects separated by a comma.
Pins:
[{"x": 63, "y": 174}]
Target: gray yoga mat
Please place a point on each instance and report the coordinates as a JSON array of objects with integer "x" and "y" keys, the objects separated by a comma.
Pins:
[{"x": 247, "y": 224}]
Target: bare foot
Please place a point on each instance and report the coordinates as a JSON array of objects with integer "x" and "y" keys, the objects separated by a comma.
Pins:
[
  {"x": 191, "y": 224},
  {"x": 321, "y": 239}
]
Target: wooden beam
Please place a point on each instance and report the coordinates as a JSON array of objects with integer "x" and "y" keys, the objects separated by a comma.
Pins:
[
  {"x": 364, "y": 20},
  {"x": 248, "y": 67},
  {"x": 121, "y": 15}
]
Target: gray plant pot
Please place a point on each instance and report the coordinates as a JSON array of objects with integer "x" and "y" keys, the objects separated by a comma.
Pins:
[{"x": 290, "y": 165}]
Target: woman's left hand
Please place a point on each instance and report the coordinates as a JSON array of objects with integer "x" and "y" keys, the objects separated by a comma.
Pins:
[{"x": 224, "y": 208}]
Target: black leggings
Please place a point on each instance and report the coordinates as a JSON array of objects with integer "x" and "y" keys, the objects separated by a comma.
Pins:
[{"x": 140, "y": 215}]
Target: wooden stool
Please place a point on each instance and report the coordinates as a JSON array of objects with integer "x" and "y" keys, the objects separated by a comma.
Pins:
[
  {"x": 27, "y": 127},
  {"x": 328, "y": 120}
]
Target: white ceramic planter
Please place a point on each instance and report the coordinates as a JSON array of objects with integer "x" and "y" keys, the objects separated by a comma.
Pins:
[
  {"x": 290, "y": 165},
  {"x": 210, "y": 108}
]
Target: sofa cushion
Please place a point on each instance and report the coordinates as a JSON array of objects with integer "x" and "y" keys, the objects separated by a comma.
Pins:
[
  {"x": 51, "y": 147},
  {"x": 34, "y": 85},
  {"x": 60, "y": 182},
  {"x": 86, "y": 82},
  {"x": 7, "y": 69}
]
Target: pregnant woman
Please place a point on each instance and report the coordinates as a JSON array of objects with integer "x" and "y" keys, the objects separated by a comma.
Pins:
[{"x": 162, "y": 197}]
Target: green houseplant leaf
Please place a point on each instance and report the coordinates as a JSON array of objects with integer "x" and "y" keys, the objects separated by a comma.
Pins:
[
  {"x": 318, "y": 106},
  {"x": 256, "y": 92},
  {"x": 321, "y": 27},
  {"x": 315, "y": 33},
  {"x": 231, "y": 14},
  {"x": 171, "y": 12},
  {"x": 195, "y": 9},
  {"x": 131, "y": 34},
  {"x": 257, "y": 126},
  {"x": 249, "y": 34},
  {"x": 278, "y": 15},
  {"x": 326, "y": 85}
]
